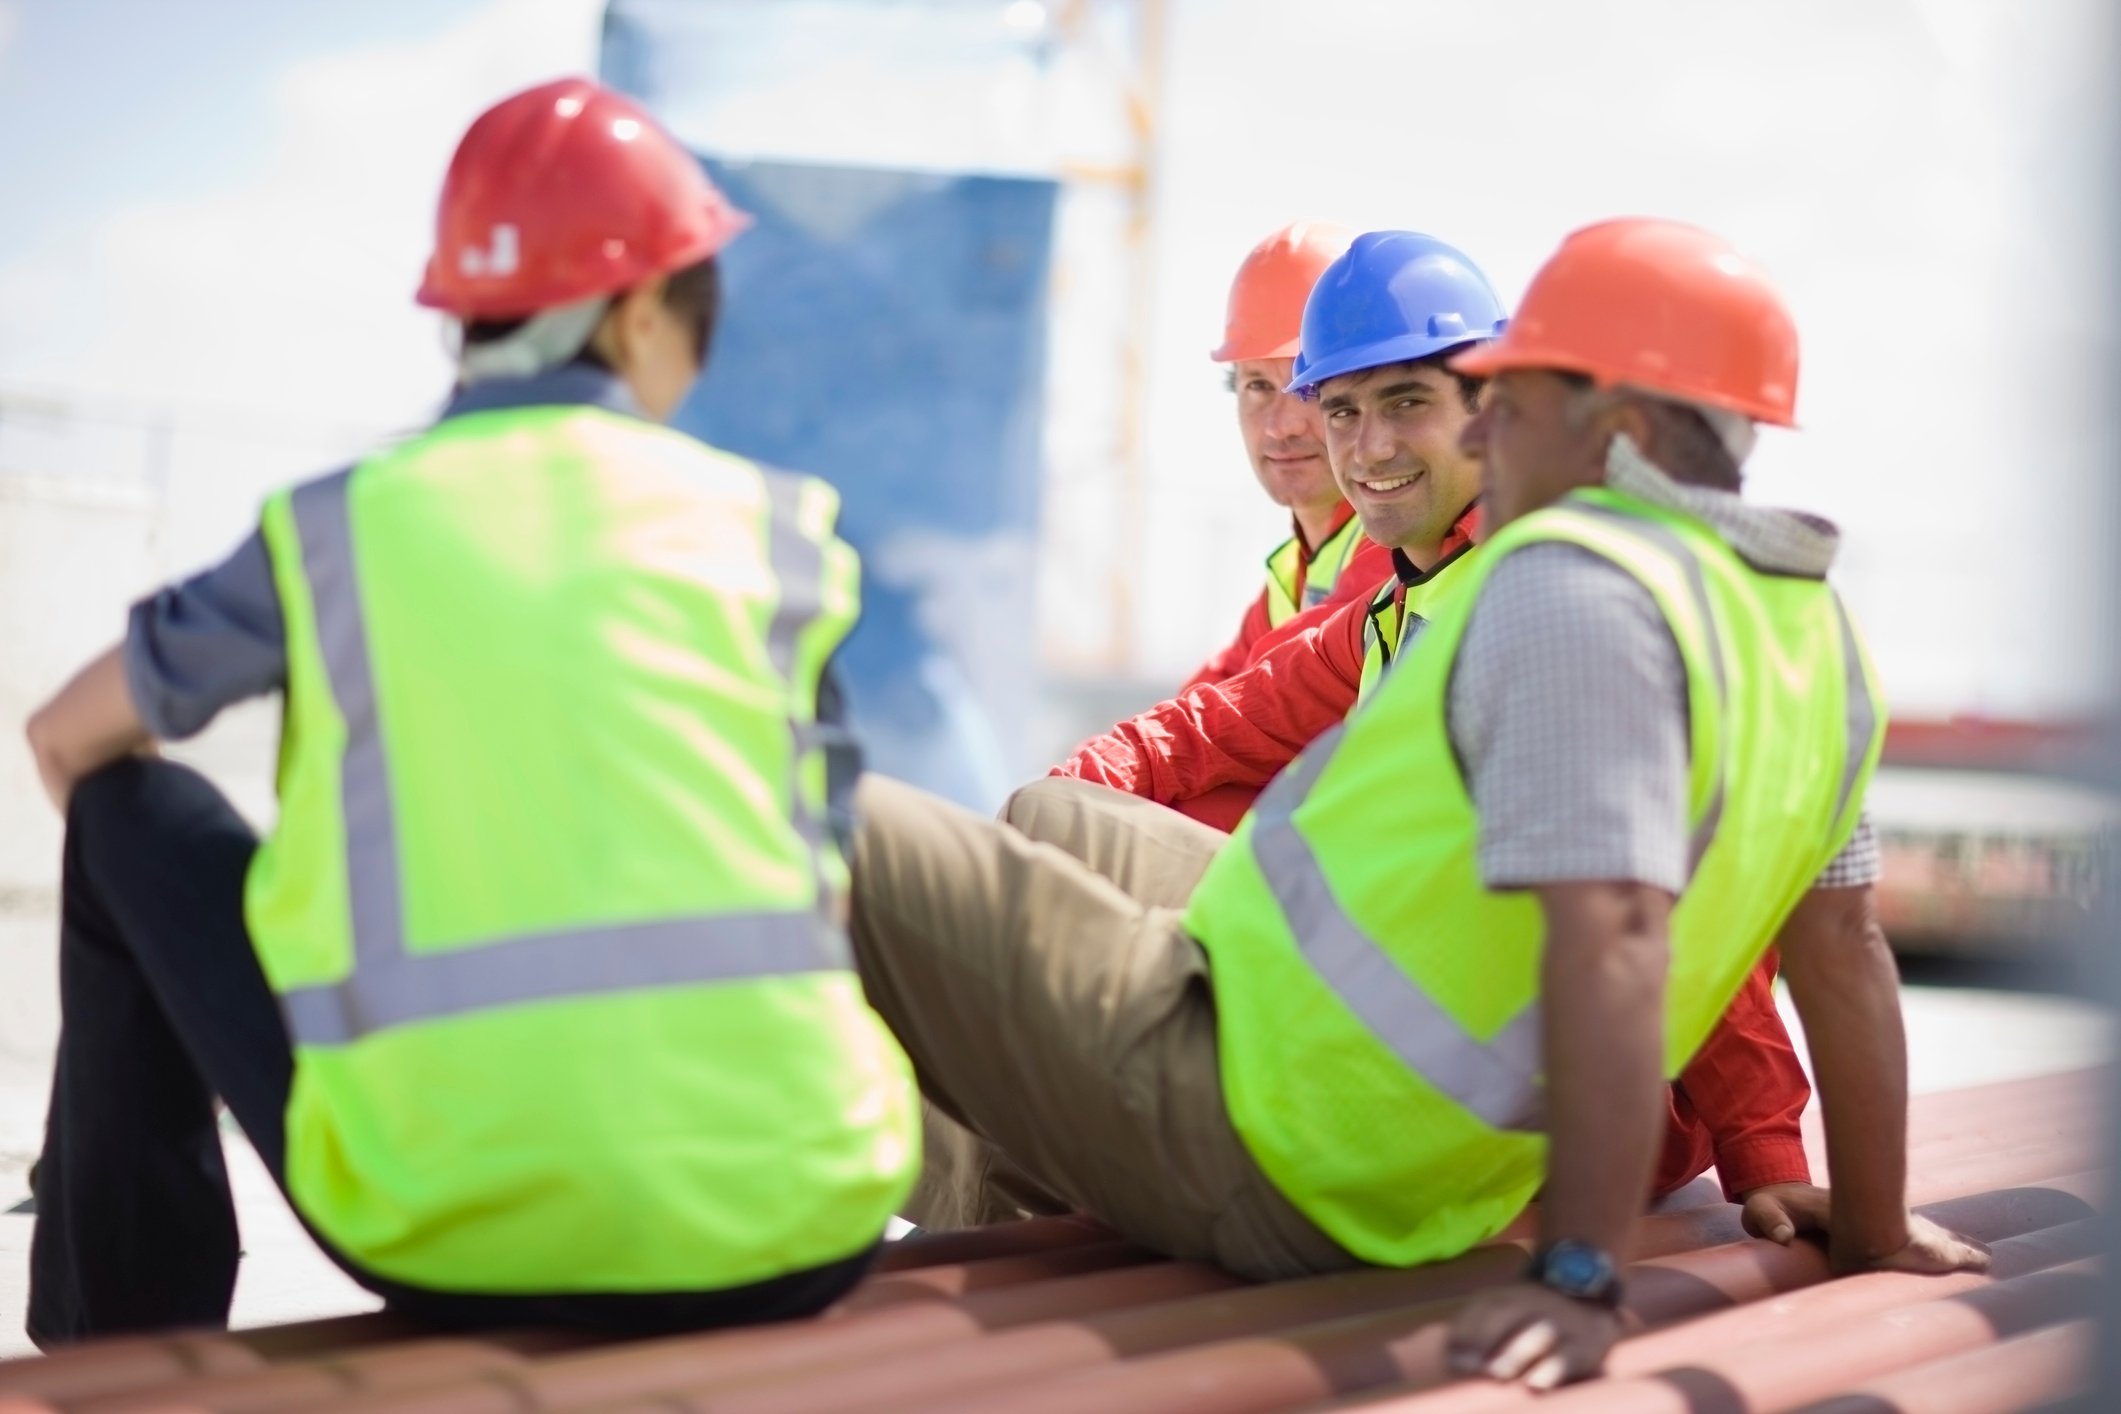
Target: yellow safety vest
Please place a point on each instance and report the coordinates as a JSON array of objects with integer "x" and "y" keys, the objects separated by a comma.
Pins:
[
  {"x": 1286, "y": 565},
  {"x": 550, "y": 905},
  {"x": 1399, "y": 612},
  {"x": 1379, "y": 1007}
]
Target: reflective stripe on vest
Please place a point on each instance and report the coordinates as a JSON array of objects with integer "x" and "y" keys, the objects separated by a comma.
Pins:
[
  {"x": 1497, "y": 1079},
  {"x": 1395, "y": 616},
  {"x": 1323, "y": 573},
  {"x": 1320, "y": 574},
  {"x": 1863, "y": 717},
  {"x": 391, "y": 986}
]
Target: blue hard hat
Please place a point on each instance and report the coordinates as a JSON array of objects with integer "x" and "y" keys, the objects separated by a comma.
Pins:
[{"x": 1393, "y": 296}]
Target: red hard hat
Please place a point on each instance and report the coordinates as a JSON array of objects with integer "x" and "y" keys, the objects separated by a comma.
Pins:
[
  {"x": 1660, "y": 306},
  {"x": 1266, "y": 311},
  {"x": 562, "y": 192}
]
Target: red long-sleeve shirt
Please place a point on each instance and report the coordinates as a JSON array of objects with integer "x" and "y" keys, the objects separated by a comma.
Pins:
[
  {"x": 1209, "y": 751},
  {"x": 1368, "y": 564}
]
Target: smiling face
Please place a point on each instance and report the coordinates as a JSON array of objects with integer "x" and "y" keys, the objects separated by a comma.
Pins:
[
  {"x": 1393, "y": 435},
  {"x": 1283, "y": 437}
]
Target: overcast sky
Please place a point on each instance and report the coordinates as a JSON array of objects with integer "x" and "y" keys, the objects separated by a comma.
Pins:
[{"x": 222, "y": 204}]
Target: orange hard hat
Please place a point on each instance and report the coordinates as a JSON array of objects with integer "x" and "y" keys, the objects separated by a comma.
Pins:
[
  {"x": 565, "y": 191},
  {"x": 1660, "y": 306},
  {"x": 1266, "y": 312}
]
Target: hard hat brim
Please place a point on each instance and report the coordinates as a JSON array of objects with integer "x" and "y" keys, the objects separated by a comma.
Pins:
[
  {"x": 438, "y": 292},
  {"x": 1501, "y": 357},
  {"x": 1482, "y": 360},
  {"x": 1232, "y": 353},
  {"x": 1405, "y": 348}
]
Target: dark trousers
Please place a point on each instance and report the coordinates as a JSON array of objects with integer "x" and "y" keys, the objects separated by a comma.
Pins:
[{"x": 163, "y": 1006}]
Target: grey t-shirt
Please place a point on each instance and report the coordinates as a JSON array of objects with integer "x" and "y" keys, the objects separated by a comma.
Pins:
[{"x": 207, "y": 643}]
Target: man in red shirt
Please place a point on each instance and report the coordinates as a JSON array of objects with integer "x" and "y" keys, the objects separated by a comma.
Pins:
[
  {"x": 1393, "y": 417},
  {"x": 1327, "y": 558}
]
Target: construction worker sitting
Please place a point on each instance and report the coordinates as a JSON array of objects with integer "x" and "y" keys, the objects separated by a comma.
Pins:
[
  {"x": 1395, "y": 418},
  {"x": 535, "y": 1000},
  {"x": 1327, "y": 558},
  {"x": 1461, "y": 942}
]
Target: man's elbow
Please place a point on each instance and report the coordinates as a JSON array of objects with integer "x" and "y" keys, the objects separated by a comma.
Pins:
[
  {"x": 42, "y": 734},
  {"x": 1835, "y": 929},
  {"x": 56, "y": 771}
]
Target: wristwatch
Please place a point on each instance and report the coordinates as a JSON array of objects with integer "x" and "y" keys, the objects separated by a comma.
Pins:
[{"x": 1578, "y": 1270}]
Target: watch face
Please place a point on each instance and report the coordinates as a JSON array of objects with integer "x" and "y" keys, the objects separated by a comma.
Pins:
[{"x": 1578, "y": 1269}]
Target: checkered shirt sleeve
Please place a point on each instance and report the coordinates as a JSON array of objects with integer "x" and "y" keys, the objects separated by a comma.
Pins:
[{"x": 1568, "y": 709}]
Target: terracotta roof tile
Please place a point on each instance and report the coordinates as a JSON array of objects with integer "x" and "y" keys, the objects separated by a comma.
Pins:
[{"x": 1059, "y": 1314}]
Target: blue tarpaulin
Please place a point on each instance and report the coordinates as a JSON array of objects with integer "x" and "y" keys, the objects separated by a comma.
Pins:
[{"x": 886, "y": 330}]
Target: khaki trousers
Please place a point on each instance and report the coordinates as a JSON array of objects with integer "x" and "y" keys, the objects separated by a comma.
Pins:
[{"x": 1060, "y": 1020}]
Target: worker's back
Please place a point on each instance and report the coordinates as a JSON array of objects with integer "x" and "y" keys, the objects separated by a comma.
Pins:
[{"x": 548, "y": 906}]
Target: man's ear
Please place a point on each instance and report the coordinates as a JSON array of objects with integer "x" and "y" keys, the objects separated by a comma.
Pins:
[
  {"x": 628, "y": 322},
  {"x": 1627, "y": 415}
]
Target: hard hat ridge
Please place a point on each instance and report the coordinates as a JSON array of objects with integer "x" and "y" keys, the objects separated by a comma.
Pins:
[
  {"x": 1264, "y": 318},
  {"x": 1661, "y": 306},
  {"x": 1394, "y": 296},
  {"x": 562, "y": 192}
]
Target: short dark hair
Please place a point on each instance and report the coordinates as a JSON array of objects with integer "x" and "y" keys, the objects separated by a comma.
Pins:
[
  {"x": 1469, "y": 385},
  {"x": 1688, "y": 448},
  {"x": 694, "y": 294}
]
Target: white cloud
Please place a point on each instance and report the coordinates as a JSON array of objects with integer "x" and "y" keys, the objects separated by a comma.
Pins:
[
  {"x": 292, "y": 291},
  {"x": 1891, "y": 183}
]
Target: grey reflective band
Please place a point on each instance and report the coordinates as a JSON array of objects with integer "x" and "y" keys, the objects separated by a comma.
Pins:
[
  {"x": 1862, "y": 711},
  {"x": 323, "y": 526},
  {"x": 798, "y": 564},
  {"x": 624, "y": 957},
  {"x": 390, "y": 986},
  {"x": 1497, "y": 1079},
  {"x": 1350, "y": 534}
]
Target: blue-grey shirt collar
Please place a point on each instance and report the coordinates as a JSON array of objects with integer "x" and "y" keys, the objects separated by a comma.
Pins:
[{"x": 571, "y": 384}]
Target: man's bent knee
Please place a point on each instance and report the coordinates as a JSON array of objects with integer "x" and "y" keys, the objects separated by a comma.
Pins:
[{"x": 116, "y": 787}]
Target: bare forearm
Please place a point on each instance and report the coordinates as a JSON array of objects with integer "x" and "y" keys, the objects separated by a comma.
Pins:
[
  {"x": 1847, "y": 990},
  {"x": 88, "y": 724},
  {"x": 1602, "y": 981}
]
